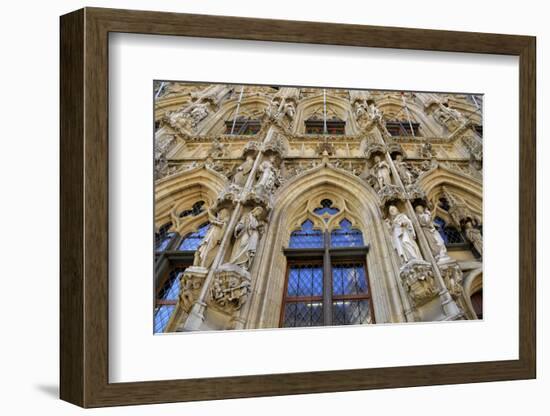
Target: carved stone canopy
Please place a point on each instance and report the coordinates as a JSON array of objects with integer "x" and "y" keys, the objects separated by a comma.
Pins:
[
  {"x": 230, "y": 288},
  {"x": 191, "y": 283}
]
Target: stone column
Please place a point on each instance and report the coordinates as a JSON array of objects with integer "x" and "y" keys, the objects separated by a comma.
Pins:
[{"x": 196, "y": 315}]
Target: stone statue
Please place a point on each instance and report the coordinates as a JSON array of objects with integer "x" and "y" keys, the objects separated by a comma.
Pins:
[
  {"x": 474, "y": 236},
  {"x": 268, "y": 177},
  {"x": 436, "y": 243},
  {"x": 382, "y": 172},
  {"x": 406, "y": 175},
  {"x": 374, "y": 112},
  {"x": 247, "y": 237},
  {"x": 290, "y": 111},
  {"x": 179, "y": 120},
  {"x": 403, "y": 236},
  {"x": 204, "y": 255},
  {"x": 243, "y": 170}
]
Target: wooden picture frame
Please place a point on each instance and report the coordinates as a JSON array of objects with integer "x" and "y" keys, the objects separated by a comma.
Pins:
[{"x": 84, "y": 207}]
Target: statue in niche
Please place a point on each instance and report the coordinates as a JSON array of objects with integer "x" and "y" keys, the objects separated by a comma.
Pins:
[
  {"x": 474, "y": 236},
  {"x": 247, "y": 237},
  {"x": 268, "y": 177},
  {"x": 436, "y": 243},
  {"x": 290, "y": 110},
  {"x": 406, "y": 175},
  {"x": 204, "y": 255},
  {"x": 448, "y": 117},
  {"x": 426, "y": 150},
  {"x": 179, "y": 120},
  {"x": 381, "y": 170},
  {"x": 403, "y": 236},
  {"x": 374, "y": 112},
  {"x": 243, "y": 170},
  {"x": 360, "y": 109}
]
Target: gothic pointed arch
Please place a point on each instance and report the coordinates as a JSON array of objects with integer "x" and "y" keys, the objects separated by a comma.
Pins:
[{"x": 292, "y": 206}]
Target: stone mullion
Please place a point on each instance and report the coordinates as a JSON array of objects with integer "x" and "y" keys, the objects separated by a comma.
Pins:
[
  {"x": 196, "y": 315},
  {"x": 449, "y": 305}
]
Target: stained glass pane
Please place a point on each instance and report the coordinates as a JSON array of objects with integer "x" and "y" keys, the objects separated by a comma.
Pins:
[
  {"x": 162, "y": 316},
  {"x": 450, "y": 235},
  {"x": 171, "y": 287},
  {"x": 351, "y": 312},
  {"x": 307, "y": 237},
  {"x": 192, "y": 240},
  {"x": 299, "y": 314},
  {"x": 346, "y": 236},
  {"x": 195, "y": 210},
  {"x": 349, "y": 279}
]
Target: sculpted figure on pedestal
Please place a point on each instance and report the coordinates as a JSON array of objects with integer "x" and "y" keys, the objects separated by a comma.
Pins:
[
  {"x": 374, "y": 112},
  {"x": 268, "y": 177},
  {"x": 406, "y": 175},
  {"x": 436, "y": 243},
  {"x": 247, "y": 237},
  {"x": 403, "y": 236},
  {"x": 474, "y": 236},
  {"x": 243, "y": 170},
  {"x": 198, "y": 113},
  {"x": 204, "y": 255},
  {"x": 382, "y": 172}
]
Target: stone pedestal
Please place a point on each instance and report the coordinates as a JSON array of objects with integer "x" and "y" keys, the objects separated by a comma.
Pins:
[
  {"x": 452, "y": 276},
  {"x": 230, "y": 288},
  {"x": 191, "y": 283},
  {"x": 418, "y": 279}
]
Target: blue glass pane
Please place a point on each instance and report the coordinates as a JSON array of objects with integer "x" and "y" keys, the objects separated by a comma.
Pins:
[
  {"x": 346, "y": 236},
  {"x": 351, "y": 312},
  {"x": 299, "y": 314},
  {"x": 192, "y": 241},
  {"x": 162, "y": 242},
  {"x": 307, "y": 237},
  {"x": 171, "y": 287},
  {"x": 349, "y": 279},
  {"x": 305, "y": 280},
  {"x": 162, "y": 316}
]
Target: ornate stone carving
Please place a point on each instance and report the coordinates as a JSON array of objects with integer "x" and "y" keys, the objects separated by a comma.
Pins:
[
  {"x": 325, "y": 148},
  {"x": 418, "y": 279},
  {"x": 448, "y": 117},
  {"x": 247, "y": 236},
  {"x": 388, "y": 193},
  {"x": 474, "y": 236},
  {"x": 217, "y": 149},
  {"x": 403, "y": 236},
  {"x": 414, "y": 192},
  {"x": 426, "y": 150},
  {"x": 230, "y": 288},
  {"x": 190, "y": 286},
  {"x": 268, "y": 178},
  {"x": 452, "y": 276}
]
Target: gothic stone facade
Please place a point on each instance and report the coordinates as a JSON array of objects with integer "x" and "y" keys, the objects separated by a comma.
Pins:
[{"x": 279, "y": 206}]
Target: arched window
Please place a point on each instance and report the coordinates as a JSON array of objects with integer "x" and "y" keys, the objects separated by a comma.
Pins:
[
  {"x": 326, "y": 281},
  {"x": 166, "y": 299},
  {"x": 346, "y": 236},
  {"x": 451, "y": 236},
  {"x": 192, "y": 240},
  {"x": 307, "y": 237},
  {"x": 242, "y": 126},
  {"x": 163, "y": 238},
  {"x": 318, "y": 125}
]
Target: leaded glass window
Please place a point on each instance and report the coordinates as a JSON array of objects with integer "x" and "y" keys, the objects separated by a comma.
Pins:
[
  {"x": 451, "y": 236},
  {"x": 166, "y": 300},
  {"x": 304, "y": 296},
  {"x": 192, "y": 240},
  {"x": 346, "y": 236},
  {"x": 307, "y": 237},
  {"x": 163, "y": 237},
  {"x": 326, "y": 284}
]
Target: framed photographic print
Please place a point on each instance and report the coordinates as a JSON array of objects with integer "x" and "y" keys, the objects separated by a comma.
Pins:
[{"x": 278, "y": 207}]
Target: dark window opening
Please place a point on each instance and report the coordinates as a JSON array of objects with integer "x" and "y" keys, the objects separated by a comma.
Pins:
[
  {"x": 326, "y": 208},
  {"x": 402, "y": 128},
  {"x": 196, "y": 209},
  {"x": 242, "y": 126},
  {"x": 333, "y": 126},
  {"x": 451, "y": 236}
]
